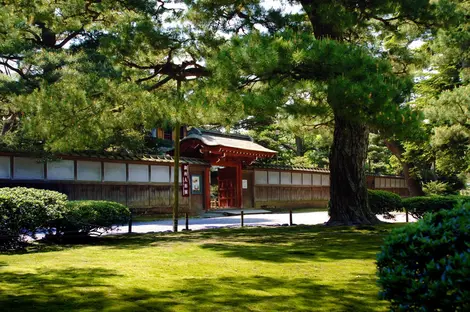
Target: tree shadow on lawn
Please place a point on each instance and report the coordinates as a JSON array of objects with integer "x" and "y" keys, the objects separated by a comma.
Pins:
[
  {"x": 274, "y": 244},
  {"x": 304, "y": 244},
  {"x": 75, "y": 289},
  {"x": 70, "y": 289}
]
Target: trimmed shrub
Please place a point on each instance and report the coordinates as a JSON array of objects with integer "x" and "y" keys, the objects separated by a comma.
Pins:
[
  {"x": 91, "y": 216},
  {"x": 436, "y": 188},
  {"x": 426, "y": 266},
  {"x": 418, "y": 206},
  {"x": 383, "y": 202},
  {"x": 25, "y": 210}
]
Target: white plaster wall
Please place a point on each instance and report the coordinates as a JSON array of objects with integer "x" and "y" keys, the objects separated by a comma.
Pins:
[
  {"x": 114, "y": 172},
  {"x": 273, "y": 177},
  {"x": 261, "y": 177},
  {"x": 88, "y": 171},
  {"x": 296, "y": 178},
  {"x": 316, "y": 179},
  {"x": 28, "y": 169},
  {"x": 306, "y": 178},
  {"x": 60, "y": 170},
  {"x": 5, "y": 167},
  {"x": 160, "y": 174},
  {"x": 286, "y": 178},
  {"x": 138, "y": 173}
]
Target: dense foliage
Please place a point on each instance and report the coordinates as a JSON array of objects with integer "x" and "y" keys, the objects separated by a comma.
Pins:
[
  {"x": 383, "y": 202},
  {"x": 436, "y": 188},
  {"x": 418, "y": 206},
  {"x": 425, "y": 266},
  {"x": 25, "y": 210},
  {"x": 84, "y": 217}
]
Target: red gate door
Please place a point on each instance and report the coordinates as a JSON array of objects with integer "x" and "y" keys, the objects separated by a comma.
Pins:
[{"x": 228, "y": 187}]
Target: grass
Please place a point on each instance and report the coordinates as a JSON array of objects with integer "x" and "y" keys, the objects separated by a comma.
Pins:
[{"x": 312, "y": 268}]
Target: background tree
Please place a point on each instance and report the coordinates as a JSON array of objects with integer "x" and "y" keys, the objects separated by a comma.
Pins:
[
  {"x": 379, "y": 158},
  {"x": 348, "y": 23},
  {"x": 439, "y": 65},
  {"x": 97, "y": 74}
]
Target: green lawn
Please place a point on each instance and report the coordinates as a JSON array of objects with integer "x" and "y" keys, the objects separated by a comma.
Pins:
[{"x": 252, "y": 269}]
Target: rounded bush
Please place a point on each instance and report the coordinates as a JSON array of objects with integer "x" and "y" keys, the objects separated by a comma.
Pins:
[
  {"x": 383, "y": 202},
  {"x": 418, "y": 206},
  {"x": 91, "y": 216},
  {"x": 25, "y": 210},
  {"x": 426, "y": 266}
]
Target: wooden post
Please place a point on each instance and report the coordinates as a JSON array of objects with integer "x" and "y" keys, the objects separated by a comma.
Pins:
[
  {"x": 187, "y": 221},
  {"x": 290, "y": 217},
  {"x": 239, "y": 186},
  {"x": 129, "y": 230},
  {"x": 207, "y": 189},
  {"x": 176, "y": 168},
  {"x": 242, "y": 219}
]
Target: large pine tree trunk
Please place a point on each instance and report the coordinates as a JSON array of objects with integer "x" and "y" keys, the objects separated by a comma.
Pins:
[{"x": 348, "y": 190}]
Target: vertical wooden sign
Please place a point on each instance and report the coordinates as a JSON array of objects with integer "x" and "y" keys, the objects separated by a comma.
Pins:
[{"x": 185, "y": 169}]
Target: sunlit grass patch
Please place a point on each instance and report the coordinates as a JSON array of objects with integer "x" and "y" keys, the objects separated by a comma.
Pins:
[{"x": 308, "y": 268}]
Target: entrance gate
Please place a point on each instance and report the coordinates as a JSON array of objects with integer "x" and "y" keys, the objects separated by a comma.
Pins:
[
  {"x": 227, "y": 187},
  {"x": 231, "y": 151}
]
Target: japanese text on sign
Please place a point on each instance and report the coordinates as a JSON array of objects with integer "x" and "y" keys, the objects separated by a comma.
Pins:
[{"x": 185, "y": 169}]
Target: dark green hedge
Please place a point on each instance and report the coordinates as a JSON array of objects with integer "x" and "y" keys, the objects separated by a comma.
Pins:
[
  {"x": 383, "y": 202},
  {"x": 418, "y": 206},
  {"x": 425, "y": 266},
  {"x": 91, "y": 216},
  {"x": 25, "y": 210}
]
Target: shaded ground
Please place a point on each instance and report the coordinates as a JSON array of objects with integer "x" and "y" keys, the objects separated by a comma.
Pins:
[{"x": 305, "y": 268}]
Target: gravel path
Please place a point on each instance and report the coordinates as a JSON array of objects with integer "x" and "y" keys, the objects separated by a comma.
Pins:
[{"x": 307, "y": 218}]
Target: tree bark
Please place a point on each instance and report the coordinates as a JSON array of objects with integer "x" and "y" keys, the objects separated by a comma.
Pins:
[
  {"x": 299, "y": 146},
  {"x": 349, "y": 204},
  {"x": 414, "y": 187}
]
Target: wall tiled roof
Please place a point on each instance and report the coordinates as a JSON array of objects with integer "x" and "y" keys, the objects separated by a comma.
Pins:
[
  {"x": 284, "y": 167},
  {"x": 138, "y": 157},
  {"x": 124, "y": 156}
]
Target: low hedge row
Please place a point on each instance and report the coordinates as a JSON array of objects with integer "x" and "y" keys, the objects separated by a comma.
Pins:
[
  {"x": 382, "y": 202},
  {"x": 25, "y": 211},
  {"x": 418, "y": 206},
  {"x": 91, "y": 216}
]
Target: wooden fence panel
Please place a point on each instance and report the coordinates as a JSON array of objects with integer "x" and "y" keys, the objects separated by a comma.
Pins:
[
  {"x": 159, "y": 196},
  {"x": 261, "y": 193},
  {"x": 87, "y": 191},
  {"x": 138, "y": 196},
  {"x": 285, "y": 193},
  {"x": 274, "y": 193},
  {"x": 116, "y": 193}
]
